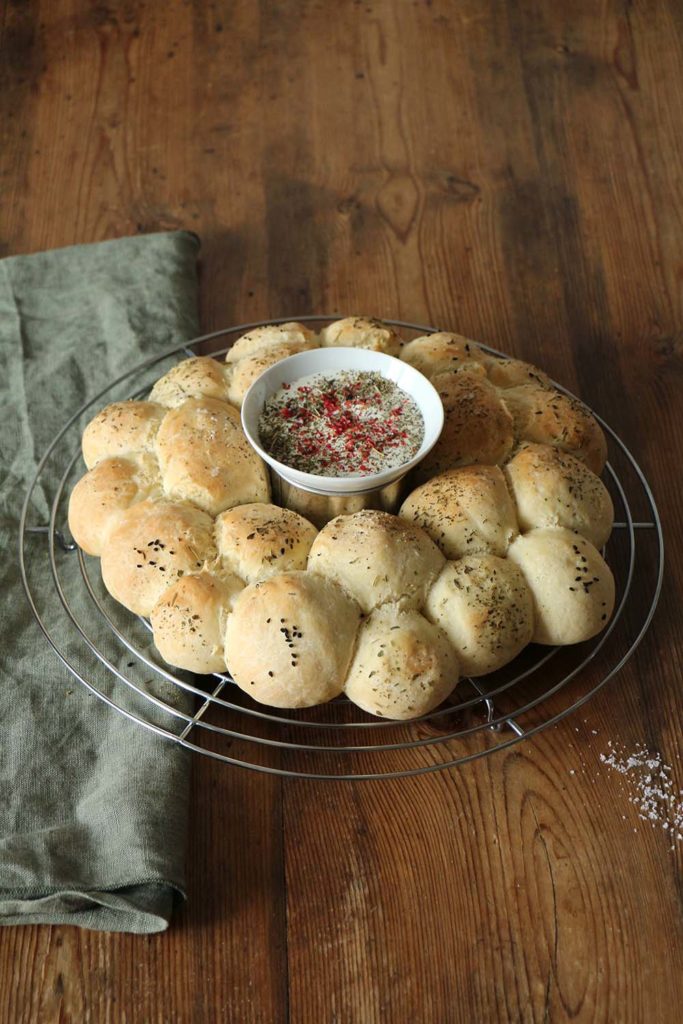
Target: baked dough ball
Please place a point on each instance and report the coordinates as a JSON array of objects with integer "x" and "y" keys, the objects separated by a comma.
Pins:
[
  {"x": 154, "y": 544},
  {"x": 466, "y": 511},
  {"x": 485, "y": 607},
  {"x": 206, "y": 459},
  {"x": 477, "y": 426},
  {"x": 376, "y": 558},
  {"x": 361, "y": 332},
  {"x": 290, "y": 639},
  {"x": 552, "y": 488},
  {"x": 121, "y": 429},
  {"x": 101, "y": 496},
  {"x": 442, "y": 351},
  {"x": 245, "y": 372},
  {"x": 189, "y": 620},
  {"x": 200, "y": 377},
  {"x": 404, "y": 666},
  {"x": 260, "y": 339},
  {"x": 547, "y": 416},
  {"x": 572, "y": 586},
  {"x": 257, "y": 540},
  {"x": 510, "y": 373}
]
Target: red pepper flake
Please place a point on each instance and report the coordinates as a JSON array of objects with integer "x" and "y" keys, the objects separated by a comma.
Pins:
[{"x": 352, "y": 423}]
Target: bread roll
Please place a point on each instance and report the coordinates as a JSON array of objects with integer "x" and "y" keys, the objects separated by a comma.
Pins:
[
  {"x": 101, "y": 496},
  {"x": 404, "y": 666},
  {"x": 205, "y": 457},
  {"x": 376, "y": 558},
  {"x": 552, "y": 488},
  {"x": 466, "y": 511},
  {"x": 199, "y": 377},
  {"x": 189, "y": 621},
  {"x": 572, "y": 587},
  {"x": 123, "y": 428},
  {"x": 477, "y": 427},
  {"x": 259, "y": 339},
  {"x": 485, "y": 607},
  {"x": 509, "y": 373},
  {"x": 362, "y": 332},
  {"x": 290, "y": 639},
  {"x": 245, "y": 372},
  {"x": 257, "y": 540},
  {"x": 550, "y": 417},
  {"x": 154, "y": 543},
  {"x": 443, "y": 351}
]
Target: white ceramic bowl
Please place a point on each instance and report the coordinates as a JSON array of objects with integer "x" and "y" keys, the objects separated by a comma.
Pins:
[{"x": 332, "y": 360}]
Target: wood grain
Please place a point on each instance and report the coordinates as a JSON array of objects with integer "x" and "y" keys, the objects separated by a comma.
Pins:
[{"x": 510, "y": 170}]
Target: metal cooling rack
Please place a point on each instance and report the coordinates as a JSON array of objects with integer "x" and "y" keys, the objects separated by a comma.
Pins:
[{"x": 110, "y": 652}]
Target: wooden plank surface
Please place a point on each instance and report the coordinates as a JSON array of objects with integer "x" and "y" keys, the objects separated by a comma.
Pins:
[{"x": 509, "y": 170}]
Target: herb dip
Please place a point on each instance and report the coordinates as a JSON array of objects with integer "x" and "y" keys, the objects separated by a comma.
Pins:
[{"x": 350, "y": 423}]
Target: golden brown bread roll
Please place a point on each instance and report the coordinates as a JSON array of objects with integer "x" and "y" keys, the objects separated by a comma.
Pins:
[
  {"x": 510, "y": 373},
  {"x": 572, "y": 586},
  {"x": 362, "y": 332},
  {"x": 466, "y": 511},
  {"x": 550, "y": 417},
  {"x": 444, "y": 351},
  {"x": 205, "y": 457},
  {"x": 154, "y": 543},
  {"x": 376, "y": 558},
  {"x": 258, "y": 540},
  {"x": 101, "y": 496},
  {"x": 553, "y": 488},
  {"x": 290, "y": 638},
  {"x": 199, "y": 377},
  {"x": 245, "y": 372},
  {"x": 189, "y": 620},
  {"x": 122, "y": 428},
  {"x": 260, "y": 339},
  {"x": 485, "y": 608},
  {"x": 404, "y": 666},
  {"x": 477, "y": 426}
]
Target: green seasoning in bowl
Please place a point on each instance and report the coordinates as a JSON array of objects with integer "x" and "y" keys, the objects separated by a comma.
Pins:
[{"x": 349, "y": 423}]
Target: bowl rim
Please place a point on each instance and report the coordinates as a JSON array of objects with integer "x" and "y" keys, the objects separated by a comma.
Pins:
[{"x": 357, "y": 483}]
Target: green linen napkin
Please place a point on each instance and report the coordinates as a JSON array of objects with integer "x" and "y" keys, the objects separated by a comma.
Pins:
[{"x": 93, "y": 807}]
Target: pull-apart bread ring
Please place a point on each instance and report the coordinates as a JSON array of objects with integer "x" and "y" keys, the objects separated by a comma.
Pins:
[{"x": 495, "y": 547}]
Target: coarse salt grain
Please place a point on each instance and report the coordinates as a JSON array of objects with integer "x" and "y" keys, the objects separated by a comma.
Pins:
[{"x": 652, "y": 791}]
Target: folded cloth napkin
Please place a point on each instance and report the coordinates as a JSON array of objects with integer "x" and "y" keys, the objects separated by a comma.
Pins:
[{"x": 93, "y": 807}]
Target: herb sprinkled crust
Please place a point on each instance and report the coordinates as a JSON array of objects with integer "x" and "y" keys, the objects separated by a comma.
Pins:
[
  {"x": 465, "y": 511},
  {"x": 377, "y": 558},
  {"x": 177, "y": 505},
  {"x": 290, "y": 639},
  {"x": 485, "y": 607}
]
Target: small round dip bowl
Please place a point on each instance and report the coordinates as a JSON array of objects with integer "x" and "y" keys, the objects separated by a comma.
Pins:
[{"x": 330, "y": 361}]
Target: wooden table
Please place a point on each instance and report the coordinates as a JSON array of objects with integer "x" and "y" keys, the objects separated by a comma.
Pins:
[{"x": 511, "y": 171}]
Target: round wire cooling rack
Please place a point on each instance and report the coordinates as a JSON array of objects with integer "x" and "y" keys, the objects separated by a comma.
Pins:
[{"x": 110, "y": 651}]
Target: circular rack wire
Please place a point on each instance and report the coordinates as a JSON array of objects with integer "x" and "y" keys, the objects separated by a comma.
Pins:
[{"x": 110, "y": 651}]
